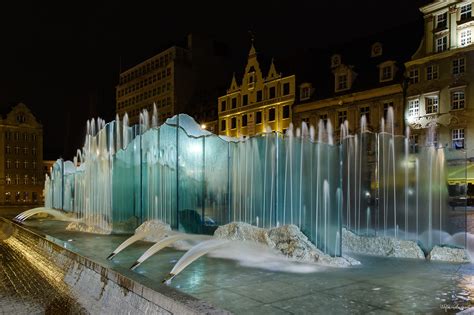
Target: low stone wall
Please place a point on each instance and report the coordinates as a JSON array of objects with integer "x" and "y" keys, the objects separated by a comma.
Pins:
[{"x": 101, "y": 290}]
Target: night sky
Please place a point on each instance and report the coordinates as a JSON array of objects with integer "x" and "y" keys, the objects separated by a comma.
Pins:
[{"x": 62, "y": 59}]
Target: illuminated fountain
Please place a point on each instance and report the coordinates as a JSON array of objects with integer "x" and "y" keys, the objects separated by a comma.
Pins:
[{"x": 195, "y": 181}]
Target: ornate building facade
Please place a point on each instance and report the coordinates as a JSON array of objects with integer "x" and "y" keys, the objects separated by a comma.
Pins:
[
  {"x": 441, "y": 74},
  {"x": 260, "y": 100},
  {"x": 21, "y": 161}
]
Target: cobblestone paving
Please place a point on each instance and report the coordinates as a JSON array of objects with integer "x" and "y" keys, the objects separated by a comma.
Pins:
[{"x": 29, "y": 285}]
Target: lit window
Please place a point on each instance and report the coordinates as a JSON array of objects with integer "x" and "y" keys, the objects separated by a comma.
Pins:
[
  {"x": 365, "y": 111},
  {"x": 9, "y": 164},
  {"x": 441, "y": 20},
  {"x": 414, "y": 76},
  {"x": 458, "y": 138},
  {"x": 432, "y": 72},
  {"x": 431, "y": 104},
  {"x": 465, "y": 37},
  {"x": 271, "y": 114},
  {"x": 341, "y": 117},
  {"x": 457, "y": 100},
  {"x": 386, "y": 73},
  {"x": 441, "y": 44},
  {"x": 466, "y": 12},
  {"x": 25, "y": 164},
  {"x": 17, "y": 179},
  {"x": 25, "y": 179},
  {"x": 459, "y": 66},
  {"x": 8, "y": 180},
  {"x": 414, "y": 108},
  {"x": 342, "y": 82}
]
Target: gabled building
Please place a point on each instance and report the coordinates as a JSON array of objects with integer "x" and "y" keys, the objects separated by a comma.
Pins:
[
  {"x": 441, "y": 72},
  {"x": 262, "y": 98}
]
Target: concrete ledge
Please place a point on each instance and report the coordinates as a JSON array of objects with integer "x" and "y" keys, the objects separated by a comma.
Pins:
[{"x": 111, "y": 291}]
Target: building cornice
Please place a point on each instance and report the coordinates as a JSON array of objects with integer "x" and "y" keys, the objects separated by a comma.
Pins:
[
  {"x": 438, "y": 56},
  {"x": 437, "y": 5}
]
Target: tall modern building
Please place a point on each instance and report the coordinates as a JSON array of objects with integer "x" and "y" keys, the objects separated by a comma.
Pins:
[
  {"x": 21, "y": 161},
  {"x": 177, "y": 80},
  {"x": 441, "y": 91},
  {"x": 262, "y": 98}
]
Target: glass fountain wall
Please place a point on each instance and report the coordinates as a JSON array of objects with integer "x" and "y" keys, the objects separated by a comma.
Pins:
[{"x": 373, "y": 184}]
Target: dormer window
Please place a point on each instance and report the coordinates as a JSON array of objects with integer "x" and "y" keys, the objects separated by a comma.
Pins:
[
  {"x": 341, "y": 82},
  {"x": 441, "y": 20},
  {"x": 376, "y": 50},
  {"x": 335, "y": 61},
  {"x": 20, "y": 118},
  {"x": 386, "y": 71},
  {"x": 305, "y": 91},
  {"x": 466, "y": 12}
]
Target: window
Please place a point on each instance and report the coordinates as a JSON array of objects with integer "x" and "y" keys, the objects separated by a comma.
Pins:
[
  {"x": 414, "y": 143},
  {"x": 414, "y": 76},
  {"x": 33, "y": 164},
  {"x": 271, "y": 114},
  {"x": 341, "y": 82},
  {"x": 245, "y": 100},
  {"x": 259, "y": 96},
  {"x": 9, "y": 164},
  {"x": 25, "y": 151},
  {"x": 7, "y": 149},
  {"x": 233, "y": 123},
  {"x": 223, "y": 106},
  {"x": 431, "y": 104},
  {"x": 286, "y": 88},
  {"x": 17, "y": 164},
  {"x": 25, "y": 164},
  {"x": 223, "y": 125},
  {"x": 25, "y": 179},
  {"x": 272, "y": 92},
  {"x": 244, "y": 120},
  {"x": 441, "y": 43},
  {"x": 465, "y": 37},
  {"x": 432, "y": 72},
  {"x": 258, "y": 117},
  {"x": 324, "y": 119},
  {"x": 234, "y": 102},
  {"x": 466, "y": 12},
  {"x": 457, "y": 100},
  {"x": 33, "y": 180},
  {"x": 459, "y": 66},
  {"x": 17, "y": 179},
  {"x": 305, "y": 92},
  {"x": 341, "y": 117},
  {"x": 286, "y": 111},
  {"x": 414, "y": 108},
  {"x": 386, "y": 73},
  {"x": 365, "y": 111},
  {"x": 441, "y": 20},
  {"x": 458, "y": 138},
  {"x": 386, "y": 106},
  {"x": 8, "y": 179}
]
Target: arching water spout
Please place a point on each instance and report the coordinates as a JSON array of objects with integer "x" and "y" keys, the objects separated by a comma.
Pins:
[
  {"x": 129, "y": 241},
  {"x": 193, "y": 254},
  {"x": 53, "y": 212},
  {"x": 162, "y": 244}
]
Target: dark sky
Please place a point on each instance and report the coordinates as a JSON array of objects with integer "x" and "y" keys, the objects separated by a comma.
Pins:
[{"x": 62, "y": 58}]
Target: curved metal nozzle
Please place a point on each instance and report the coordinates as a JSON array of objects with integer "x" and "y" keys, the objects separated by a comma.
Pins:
[
  {"x": 135, "y": 265},
  {"x": 111, "y": 256},
  {"x": 168, "y": 278}
]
